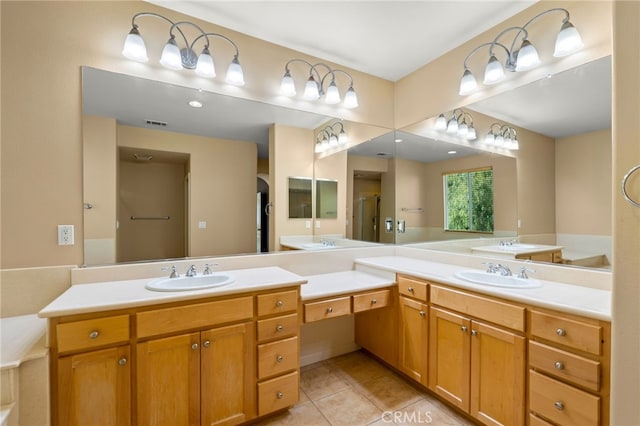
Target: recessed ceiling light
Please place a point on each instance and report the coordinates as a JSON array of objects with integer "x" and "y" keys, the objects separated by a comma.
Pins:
[
  {"x": 452, "y": 152},
  {"x": 399, "y": 140},
  {"x": 195, "y": 104}
]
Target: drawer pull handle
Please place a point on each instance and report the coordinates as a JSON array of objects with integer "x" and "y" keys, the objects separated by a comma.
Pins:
[
  {"x": 206, "y": 343},
  {"x": 279, "y": 303},
  {"x": 421, "y": 314},
  {"x": 410, "y": 289},
  {"x": 561, "y": 332},
  {"x": 474, "y": 332},
  {"x": 329, "y": 309},
  {"x": 279, "y": 395},
  {"x": 558, "y": 365},
  {"x": 464, "y": 328},
  {"x": 194, "y": 346},
  {"x": 279, "y": 327},
  {"x": 94, "y": 335},
  {"x": 122, "y": 361},
  {"x": 559, "y": 405},
  {"x": 374, "y": 301},
  {"x": 279, "y": 358}
]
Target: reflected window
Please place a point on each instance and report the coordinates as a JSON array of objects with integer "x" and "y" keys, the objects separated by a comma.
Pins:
[{"x": 468, "y": 200}]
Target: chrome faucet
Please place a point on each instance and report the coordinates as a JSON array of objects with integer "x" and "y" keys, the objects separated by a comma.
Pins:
[
  {"x": 191, "y": 272},
  {"x": 523, "y": 272},
  {"x": 504, "y": 270},
  {"x": 174, "y": 273},
  {"x": 491, "y": 268}
]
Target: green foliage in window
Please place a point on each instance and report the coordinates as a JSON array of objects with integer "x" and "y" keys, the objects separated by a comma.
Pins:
[{"x": 469, "y": 201}]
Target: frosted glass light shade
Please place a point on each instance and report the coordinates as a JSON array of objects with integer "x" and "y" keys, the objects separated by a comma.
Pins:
[
  {"x": 134, "y": 47},
  {"x": 333, "y": 140},
  {"x": 493, "y": 72},
  {"x": 452, "y": 126},
  {"x": 568, "y": 40},
  {"x": 288, "y": 86},
  {"x": 527, "y": 57},
  {"x": 311, "y": 92},
  {"x": 171, "y": 55},
  {"x": 468, "y": 83},
  {"x": 471, "y": 134},
  {"x": 333, "y": 94},
  {"x": 342, "y": 138},
  {"x": 463, "y": 129},
  {"x": 205, "y": 66},
  {"x": 490, "y": 139},
  {"x": 350, "y": 98},
  {"x": 441, "y": 122},
  {"x": 235, "y": 75}
]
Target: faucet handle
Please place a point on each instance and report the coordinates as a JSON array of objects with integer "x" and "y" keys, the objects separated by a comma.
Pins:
[
  {"x": 207, "y": 268},
  {"x": 523, "y": 272},
  {"x": 191, "y": 272},
  {"x": 174, "y": 272},
  {"x": 491, "y": 268}
]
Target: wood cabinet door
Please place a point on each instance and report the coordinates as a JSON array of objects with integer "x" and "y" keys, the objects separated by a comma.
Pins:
[
  {"x": 376, "y": 330},
  {"x": 497, "y": 375},
  {"x": 413, "y": 339},
  {"x": 168, "y": 381},
  {"x": 94, "y": 388},
  {"x": 226, "y": 387},
  {"x": 449, "y": 361}
]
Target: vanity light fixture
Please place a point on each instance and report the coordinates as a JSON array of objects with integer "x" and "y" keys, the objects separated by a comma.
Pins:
[
  {"x": 502, "y": 136},
  {"x": 175, "y": 57},
  {"x": 568, "y": 41},
  {"x": 460, "y": 124},
  {"x": 314, "y": 88},
  {"x": 329, "y": 137}
]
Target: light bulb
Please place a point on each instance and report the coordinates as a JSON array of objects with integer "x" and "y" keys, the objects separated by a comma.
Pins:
[
  {"x": 568, "y": 40},
  {"x": 468, "y": 83},
  {"x": 288, "y": 86},
  {"x": 452, "y": 126},
  {"x": 441, "y": 122},
  {"x": 205, "y": 66},
  {"x": 350, "y": 98},
  {"x": 311, "y": 92},
  {"x": 493, "y": 72},
  {"x": 171, "y": 55},
  {"x": 235, "y": 75},
  {"x": 527, "y": 57},
  {"x": 333, "y": 95},
  {"x": 134, "y": 47}
]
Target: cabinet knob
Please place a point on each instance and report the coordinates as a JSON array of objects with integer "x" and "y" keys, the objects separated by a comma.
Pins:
[
  {"x": 374, "y": 301},
  {"x": 94, "y": 334},
  {"x": 422, "y": 314},
  {"x": 279, "y": 327},
  {"x": 558, "y": 365},
  {"x": 279, "y": 303},
  {"x": 474, "y": 332},
  {"x": 559, "y": 405},
  {"x": 464, "y": 328},
  {"x": 194, "y": 346},
  {"x": 329, "y": 309},
  {"x": 561, "y": 332},
  {"x": 279, "y": 358},
  {"x": 279, "y": 395},
  {"x": 410, "y": 289},
  {"x": 206, "y": 343},
  {"x": 122, "y": 361}
]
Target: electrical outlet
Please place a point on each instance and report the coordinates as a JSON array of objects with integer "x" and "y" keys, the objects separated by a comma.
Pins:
[{"x": 65, "y": 235}]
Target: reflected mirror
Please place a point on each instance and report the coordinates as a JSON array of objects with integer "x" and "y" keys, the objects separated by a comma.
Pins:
[
  {"x": 326, "y": 199},
  {"x": 300, "y": 206}
]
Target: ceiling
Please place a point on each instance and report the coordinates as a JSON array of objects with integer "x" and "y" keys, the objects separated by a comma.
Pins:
[{"x": 388, "y": 39}]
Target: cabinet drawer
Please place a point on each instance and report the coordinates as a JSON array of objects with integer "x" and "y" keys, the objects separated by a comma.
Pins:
[
  {"x": 371, "y": 300},
  {"x": 565, "y": 365},
  {"x": 278, "y": 327},
  {"x": 537, "y": 421},
  {"x": 316, "y": 311},
  {"x": 562, "y": 403},
  {"x": 277, "y": 357},
  {"x": 497, "y": 312},
  {"x": 180, "y": 318},
  {"x": 92, "y": 333},
  {"x": 278, "y": 393},
  {"x": 568, "y": 332},
  {"x": 276, "y": 303},
  {"x": 412, "y": 287}
]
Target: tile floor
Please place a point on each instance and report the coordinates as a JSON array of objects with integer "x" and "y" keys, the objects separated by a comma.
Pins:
[{"x": 354, "y": 389}]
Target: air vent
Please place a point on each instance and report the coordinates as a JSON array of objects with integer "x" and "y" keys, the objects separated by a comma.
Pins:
[{"x": 155, "y": 122}]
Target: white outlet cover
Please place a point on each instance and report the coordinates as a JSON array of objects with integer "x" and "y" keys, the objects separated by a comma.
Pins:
[
  {"x": 202, "y": 224},
  {"x": 65, "y": 235}
]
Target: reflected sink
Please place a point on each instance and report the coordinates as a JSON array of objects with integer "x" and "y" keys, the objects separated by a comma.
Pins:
[
  {"x": 317, "y": 246},
  {"x": 512, "y": 247},
  {"x": 497, "y": 280},
  {"x": 198, "y": 282}
]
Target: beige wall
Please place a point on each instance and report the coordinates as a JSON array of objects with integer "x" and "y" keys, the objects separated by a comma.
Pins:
[
  {"x": 583, "y": 184},
  {"x": 333, "y": 167}
]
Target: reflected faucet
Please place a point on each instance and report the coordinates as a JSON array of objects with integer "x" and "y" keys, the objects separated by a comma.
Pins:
[
  {"x": 191, "y": 272},
  {"x": 174, "y": 273},
  {"x": 504, "y": 270}
]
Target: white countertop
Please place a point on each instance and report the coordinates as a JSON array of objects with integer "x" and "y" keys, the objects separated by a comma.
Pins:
[
  {"x": 20, "y": 336},
  {"x": 336, "y": 283},
  {"x": 516, "y": 249},
  {"x": 585, "y": 301},
  {"x": 111, "y": 295}
]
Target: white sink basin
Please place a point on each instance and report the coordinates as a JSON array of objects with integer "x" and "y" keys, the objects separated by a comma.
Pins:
[
  {"x": 497, "y": 280},
  {"x": 317, "y": 246},
  {"x": 198, "y": 282}
]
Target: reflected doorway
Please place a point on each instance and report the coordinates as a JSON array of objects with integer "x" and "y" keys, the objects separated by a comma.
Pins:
[
  {"x": 262, "y": 215},
  {"x": 366, "y": 206}
]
